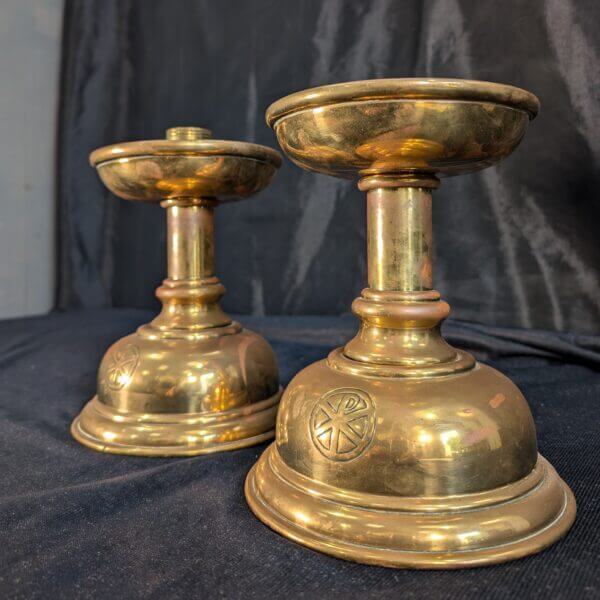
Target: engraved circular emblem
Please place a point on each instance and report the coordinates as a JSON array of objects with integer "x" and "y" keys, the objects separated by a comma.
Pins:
[
  {"x": 121, "y": 366},
  {"x": 342, "y": 423}
]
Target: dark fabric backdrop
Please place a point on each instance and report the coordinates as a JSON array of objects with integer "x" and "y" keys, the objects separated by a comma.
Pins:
[{"x": 516, "y": 245}]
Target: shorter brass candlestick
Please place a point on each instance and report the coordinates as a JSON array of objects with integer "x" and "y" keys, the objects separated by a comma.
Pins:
[
  {"x": 398, "y": 449},
  {"x": 191, "y": 381}
]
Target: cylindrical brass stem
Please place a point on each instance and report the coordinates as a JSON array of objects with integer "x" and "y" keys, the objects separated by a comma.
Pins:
[
  {"x": 399, "y": 238},
  {"x": 190, "y": 240},
  {"x": 190, "y": 225}
]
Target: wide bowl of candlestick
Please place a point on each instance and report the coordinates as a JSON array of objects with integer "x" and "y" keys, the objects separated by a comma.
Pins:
[
  {"x": 398, "y": 449},
  {"x": 192, "y": 381}
]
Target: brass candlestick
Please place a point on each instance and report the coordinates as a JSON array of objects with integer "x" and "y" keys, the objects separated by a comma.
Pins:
[
  {"x": 398, "y": 449},
  {"x": 191, "y": 381}
]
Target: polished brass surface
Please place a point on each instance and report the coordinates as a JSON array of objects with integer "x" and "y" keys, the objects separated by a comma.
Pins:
[
  {"x": 187, "y": 168},
  {"x": 369, "y": 132},
  {"x": 398, "y": 449},
  {"x": 192, "y": 381}
]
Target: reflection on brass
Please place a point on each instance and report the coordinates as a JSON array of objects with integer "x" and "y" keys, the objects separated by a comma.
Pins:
[
  {"x": 399, "y": 449},
  {"x": 192, "y": 381}
]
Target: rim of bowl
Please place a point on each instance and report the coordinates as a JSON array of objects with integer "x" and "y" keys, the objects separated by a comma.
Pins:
[
  {"x": 185, "y": 148},
  {"x": 410, "y": 88}
]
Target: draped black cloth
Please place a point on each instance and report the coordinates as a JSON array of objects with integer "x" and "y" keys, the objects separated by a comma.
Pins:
[
  {"x": 516, "y": 245},
  {"x": 75, "y": 523}
]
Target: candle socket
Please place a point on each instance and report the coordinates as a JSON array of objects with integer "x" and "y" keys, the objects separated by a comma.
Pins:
[{"x": 192, "y": 381}]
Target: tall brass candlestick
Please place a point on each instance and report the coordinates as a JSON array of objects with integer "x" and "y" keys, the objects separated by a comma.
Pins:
[
  {"x": 191, "y": 381},
  {"x": 398, "y": 449}
]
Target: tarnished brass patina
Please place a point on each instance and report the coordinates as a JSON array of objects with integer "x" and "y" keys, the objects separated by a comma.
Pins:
[
  {"x": 191, "y": 381},
  {"x": 398, "y": 449}
]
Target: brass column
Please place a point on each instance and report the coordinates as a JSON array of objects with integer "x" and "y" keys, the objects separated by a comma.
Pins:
[
  {"x": 190, "y": 225},
  {"x": 190, "y": 239},
  {"x": 399, "y": 238}
]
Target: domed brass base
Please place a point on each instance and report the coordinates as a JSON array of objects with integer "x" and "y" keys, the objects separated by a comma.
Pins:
[
  {"x": 107, "y": 429},
  {"x": 376, "y": 464},
  {"x": 179, "y": 393},
  {"x": 458, "y": 531}
]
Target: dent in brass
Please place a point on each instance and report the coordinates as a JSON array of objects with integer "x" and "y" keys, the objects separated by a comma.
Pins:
[
  {"x": 398, "y": 449},
  {"x": 192, "y": 381}
]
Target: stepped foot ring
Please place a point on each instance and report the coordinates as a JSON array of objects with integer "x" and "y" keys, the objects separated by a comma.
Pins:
[{"x": 467, "y": 530}]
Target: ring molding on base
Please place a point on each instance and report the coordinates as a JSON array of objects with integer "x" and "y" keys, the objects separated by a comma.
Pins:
[
  {"x": 110, "y": 430},
  {"x": 459, "y": 531}
]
